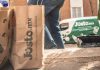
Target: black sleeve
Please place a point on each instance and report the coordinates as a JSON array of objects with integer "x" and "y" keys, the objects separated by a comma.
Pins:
[
  {"x": 32, "y": 2},
  {"x": 61, "y": 3}
]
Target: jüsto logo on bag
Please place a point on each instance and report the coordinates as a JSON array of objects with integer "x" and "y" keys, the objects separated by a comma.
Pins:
[{"x": 28, "y": 39}]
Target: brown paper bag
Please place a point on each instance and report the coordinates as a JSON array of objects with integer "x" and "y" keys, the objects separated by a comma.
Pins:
[
  {"x": 29, "y": 37},
  {"x": 4, "y": 34},
  {"x": 11, "y": 25},
  {"x": 17, "y": 2}
]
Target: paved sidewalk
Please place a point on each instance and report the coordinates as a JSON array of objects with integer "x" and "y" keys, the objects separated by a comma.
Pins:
[{"x": 72, "y": 59}]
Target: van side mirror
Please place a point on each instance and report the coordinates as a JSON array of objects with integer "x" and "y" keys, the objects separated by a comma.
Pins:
[{"x": 64, "y": 26}]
